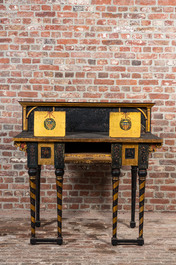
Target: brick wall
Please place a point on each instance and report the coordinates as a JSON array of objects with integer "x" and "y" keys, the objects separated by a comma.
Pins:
[{"x": 88, "y": 50}]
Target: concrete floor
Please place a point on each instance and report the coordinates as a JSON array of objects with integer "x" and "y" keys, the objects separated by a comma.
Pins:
[{"x": 87, "y": 239}]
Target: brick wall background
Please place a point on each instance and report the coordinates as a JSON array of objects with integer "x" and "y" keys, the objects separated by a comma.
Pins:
[{"x": 88, "y": 50}]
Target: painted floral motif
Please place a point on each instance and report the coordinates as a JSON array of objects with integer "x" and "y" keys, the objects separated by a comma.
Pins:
[{"x": 22, "y": 146}]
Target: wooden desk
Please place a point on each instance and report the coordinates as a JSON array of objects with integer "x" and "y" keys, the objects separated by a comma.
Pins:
[{"x": 87, "y": 140}]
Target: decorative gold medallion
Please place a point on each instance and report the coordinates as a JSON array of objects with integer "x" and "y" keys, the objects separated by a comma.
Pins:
[
  {"x": 49, "y": 124},
  {"x": 125, "y": 123}
]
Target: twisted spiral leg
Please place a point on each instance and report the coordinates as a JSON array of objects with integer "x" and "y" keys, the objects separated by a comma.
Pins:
[
  {"x": 142, "y": 178},
  {"x": 32, "y": 178},
  {"x": 115, "y": 183},
  {"x": 59, "y": 183}
]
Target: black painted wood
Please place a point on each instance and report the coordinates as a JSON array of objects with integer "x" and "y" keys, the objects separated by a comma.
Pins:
[
  {"x": 32, "y": 155},
  {"x": 84, "y": 119},
  {"x": 143, "y": 156}
]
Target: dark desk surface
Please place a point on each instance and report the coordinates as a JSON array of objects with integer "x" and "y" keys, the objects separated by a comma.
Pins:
[{"x": 87, "y": 137}]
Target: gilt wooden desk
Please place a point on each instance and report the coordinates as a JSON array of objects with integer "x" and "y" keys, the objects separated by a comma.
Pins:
[{"x": 87, "y": 139}]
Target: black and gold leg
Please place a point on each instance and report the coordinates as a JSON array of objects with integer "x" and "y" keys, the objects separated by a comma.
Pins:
[
  {"x": 143, "y": 151},
  {"x": 116, "y": 153},
  {"x": 142, "y": 178},
  {"x": 133, "y": 195},
  {"x": 59, "y": 183},
  {"x": 59, "y": 166},
  {"x": 37, "y": 222},
  {"x": 115, "y": 184},
  {"x": 32, "y": 178}
]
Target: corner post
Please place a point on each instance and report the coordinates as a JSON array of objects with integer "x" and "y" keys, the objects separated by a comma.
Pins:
[
  {"x": 25, "y": 121},
  {"x": 148, "y": 121}
]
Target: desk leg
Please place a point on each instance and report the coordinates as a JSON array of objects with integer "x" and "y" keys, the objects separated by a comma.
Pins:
[
  {"x": 59, "y": 182},
  {"x": 115, "y": 183},
  {"x": 133, "y": 195},
  {"x": 32, "y": 177},
  {"x": 142, "y": 177},
  {"x": 37, "y": 223}
]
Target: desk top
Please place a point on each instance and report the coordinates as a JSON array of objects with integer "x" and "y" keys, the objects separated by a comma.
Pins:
[{"x": 87, "y": 137}]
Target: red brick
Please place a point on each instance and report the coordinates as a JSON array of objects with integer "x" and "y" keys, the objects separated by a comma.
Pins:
[
  {"x": 81, "y": 54},
  {"x": 159, "y": 201},
  {"x": 24, "y": 40},
  {"x": 59, "y": 54},
  {"x": 2, "y": 40},
  {"x": 89, "y": 41},
  {"x": 45, "y": 14},
  {"x": 67, "y": 41},
  {"x": 4, "y": 47},
  {"x": 101, "y": 2},
  {"x": 67, "y": 8},
  {"x": 145, "y": 2},
  {"x": 8, "y": 206},
  {"x": 3, "y": 186},
  {"x": 67, "y": 14},
  {"x": 168, "y": 188},
  {"x": 103, "y": 82},
  {"x": 158, "y": 16},
  {"x": 137, "y": 69},
  {"x": 167, "y": 2},
  {"x": 56, "y": 7},
  {"x": 49, "y": 67},
  {"x": 123, "y": 2},
  {"x": 28, "y": 94},
  {"x": 4, "y": 60},
  {"x": 25, "y": 14},
  {"x": 115, "y": 95},
  {"x": 112, "y": 42},
  {"x": 46, "y": 7},
  {"x": 148, "y": 82},
  {"x": 115, "y": 68}
]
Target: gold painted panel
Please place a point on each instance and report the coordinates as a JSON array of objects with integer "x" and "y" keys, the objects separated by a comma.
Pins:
[
  {"x": 49, "y": 123},
  {"x": 49, "y": 158},
  {"x": 129, "y": 161},
  {"x": 125, "y": 124}
]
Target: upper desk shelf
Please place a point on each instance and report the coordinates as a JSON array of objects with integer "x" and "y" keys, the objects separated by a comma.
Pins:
[{"x": 86, "y": 122}]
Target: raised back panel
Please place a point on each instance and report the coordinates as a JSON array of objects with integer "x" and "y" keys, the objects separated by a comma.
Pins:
[{"x": 84, "y": 119}]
